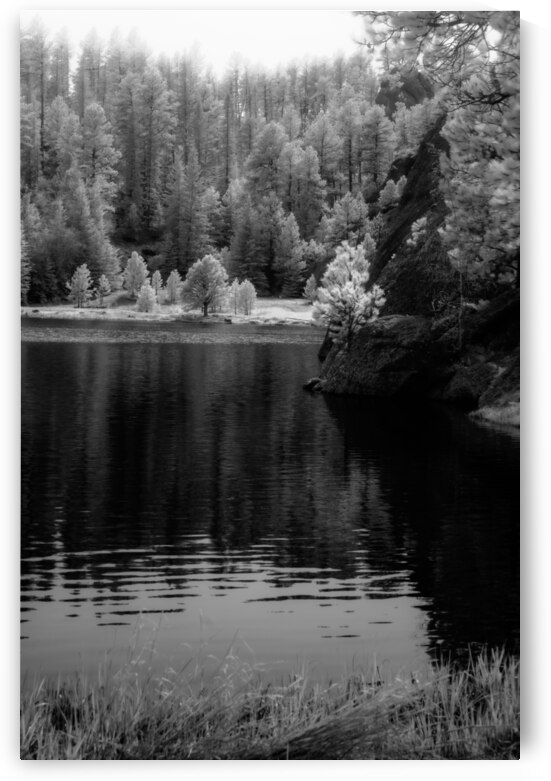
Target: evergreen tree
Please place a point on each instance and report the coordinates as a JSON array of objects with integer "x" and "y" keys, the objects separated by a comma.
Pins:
[
  {"x": 323, "y": 137},
  {"x": 25, "y": 267},
  {"x": 343, "y": 305},
  {"x": 262, "y": 164},
  {"x": 62, "y": 138},
  {"x": 147, "y": 300},
  {"x": 98, "y": 157},
  {"x": 310, "y": 291},
  {"x": 347, "y": 220},
  {"x": 80, "y": 286},
  {"x": 233, "y": 293},
  {"x": 135, "y": 274},
  {"x": 246, "y": 297},
  {"x": 289, "y": 265},
  {"x": 154, "y": 135},
  {"x": 194, "y": 228},
  {"x": 104, "y": 288},
  {"x": 173, "y": 287},
  {"x": 206, "y": 283},
  {"x": 377, "y": 143},
  {"x": 157, "y": 283}
]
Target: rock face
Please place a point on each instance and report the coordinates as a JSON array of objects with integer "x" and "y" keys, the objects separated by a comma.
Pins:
[
  {"x": 470, "y": 364},
  {"x": 417, "y": 278},
  {"x": 413, "y": 88},
  {"x": 426, "y": 343}
]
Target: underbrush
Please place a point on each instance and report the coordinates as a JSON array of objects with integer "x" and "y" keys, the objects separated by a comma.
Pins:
[{"x": 471, "y": 713}]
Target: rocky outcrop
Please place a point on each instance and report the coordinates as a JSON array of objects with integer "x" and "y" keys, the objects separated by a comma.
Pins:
[
  {"x": 408, "y": 87},
  {"x": 427, "y": 342},
  {"x": 470, "y": 364}
]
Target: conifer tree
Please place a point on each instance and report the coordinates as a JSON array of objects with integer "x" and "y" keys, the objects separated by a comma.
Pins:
[
  {"x": 347, "y": 220},
  {"x": 289, "y": 265},
  {"x": 173, "y": 286},
  {"x": 98, "y": 158},
  {"x": 205, "y": 284},
  {"x": 246, "y": 297},
  {"x": 310, "y": 289},
  {"x": 343, "y": 305},
  {"x": 233, "y": 295},
  {"x": 135, "y": 274},
  {"x": 377, "y": 143},
  {"x": 147, "y": 300},
  {"x": 104, "y": 288},
  {"x": 80, "y": 286},
  {"x": 25, "y": 267},
  {"x": 157, "y": 283}
]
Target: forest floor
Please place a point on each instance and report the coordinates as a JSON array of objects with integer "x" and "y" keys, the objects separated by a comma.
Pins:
[{"x": 267, "y": 311}]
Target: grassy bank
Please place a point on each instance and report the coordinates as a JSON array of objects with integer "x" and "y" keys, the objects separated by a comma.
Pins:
[{"x": 468, "y": 714}]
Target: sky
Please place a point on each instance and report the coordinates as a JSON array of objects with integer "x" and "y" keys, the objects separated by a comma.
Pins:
[{"x": 265, "y": 37}]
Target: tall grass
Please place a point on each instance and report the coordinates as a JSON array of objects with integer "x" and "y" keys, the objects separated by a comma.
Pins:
[{"x": 453, "y": 714}]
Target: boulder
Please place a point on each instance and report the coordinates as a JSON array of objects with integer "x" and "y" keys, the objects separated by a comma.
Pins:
[{"x": 387, "y": 358}]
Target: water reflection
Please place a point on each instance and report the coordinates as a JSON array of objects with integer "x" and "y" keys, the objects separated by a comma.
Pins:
[{"x": 171, "y": 478}]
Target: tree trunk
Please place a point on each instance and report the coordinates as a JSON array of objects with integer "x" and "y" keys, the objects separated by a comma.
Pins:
[{"x": 205, "y": 308}]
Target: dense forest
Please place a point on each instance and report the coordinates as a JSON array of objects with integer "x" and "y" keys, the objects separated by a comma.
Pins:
[{"x": 269, "y": 171}]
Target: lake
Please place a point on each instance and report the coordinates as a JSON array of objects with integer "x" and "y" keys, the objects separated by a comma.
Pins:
[{"x": 182, "y": 495}]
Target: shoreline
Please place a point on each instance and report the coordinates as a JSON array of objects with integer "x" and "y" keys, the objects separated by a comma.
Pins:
[
  {"x": 444, "y": 713},
  {"x": 294, "y": 312}
]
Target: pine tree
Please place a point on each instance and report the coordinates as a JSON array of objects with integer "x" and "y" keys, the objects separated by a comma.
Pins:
[
  {"x": 98, "y": 158},
  {"x": 135, "y": 274},
  {"x": 25, "y": 267},
  {"x": 157, "y": 283},
  {"x": 147, "y": 300},
  {"x": 377, "y": 143},
  {"x": 104, "y": 288},
  {"x": 343, "y": 305},
  {"x": 80, "y": 286},
  {"x": 262, "y": 164},
  {"x": 155, "y": 134},
  {"x": 206, "y": 283},
  {"x": 323, "y": 137},
  {"x": 173, "y": 287},
  {"x": 246, "y": 297},
  {"x": 347, "y": 220},
  {"x": 233, "y": 296},
  {"x": 63, "y": 140},
  {"x": 289, "y": 265},
  {"x": 310, "y": 291}
]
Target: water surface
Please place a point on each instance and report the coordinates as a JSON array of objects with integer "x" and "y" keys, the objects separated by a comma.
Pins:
[{"x": 178, "y": 482}]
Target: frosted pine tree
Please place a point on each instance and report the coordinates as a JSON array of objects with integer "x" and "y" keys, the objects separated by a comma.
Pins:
[
  {"x": 310, "y": 289},
  {"x": 135, "y": 274},
  {"x": 80, "y": 286},
  {"x": 157, "y": 283},
  {"x": 246, "y": 297},
  {"x": 206, "y": 283},
  {"x": 104, "y": 288},
  {"x": 173, "y": 287},
  {"x": 344, "y": 306},
  {"x": 147, "y": 300}
]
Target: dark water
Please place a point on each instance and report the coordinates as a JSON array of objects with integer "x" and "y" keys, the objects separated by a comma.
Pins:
[{"x": 181, "y": 490}]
